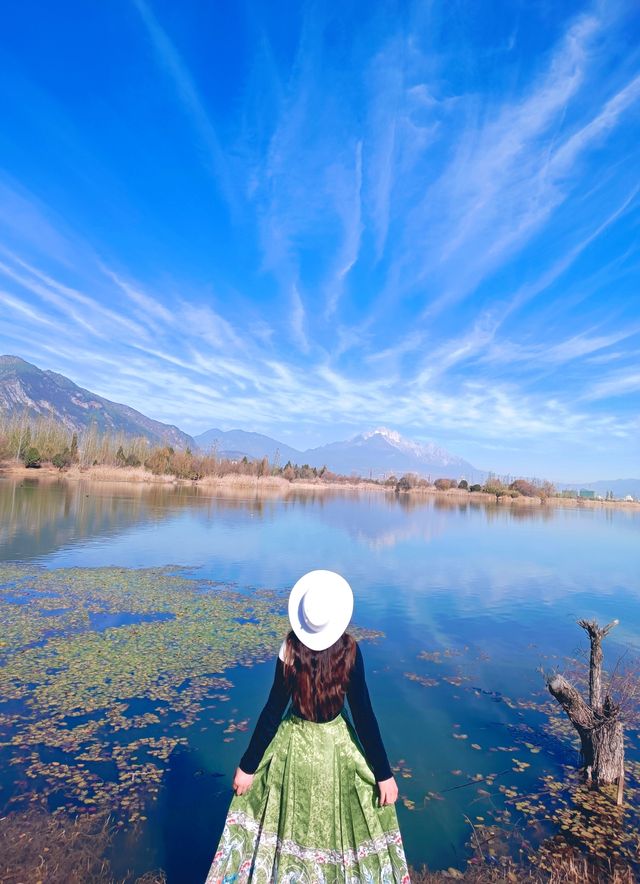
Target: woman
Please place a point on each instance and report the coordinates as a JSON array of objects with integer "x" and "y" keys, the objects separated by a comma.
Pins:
[{"x": 310, "y": 807}]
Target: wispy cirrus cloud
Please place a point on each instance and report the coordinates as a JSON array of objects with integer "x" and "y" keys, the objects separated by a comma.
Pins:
[
  {"x": 186, "y": 90},
  {"x": 508, "y": 175},
  {"x": 619, "y": 384},
  {"x": 273, "y": 390},
  {"x": 348, "y": 198},
  {"x": 421, "y": 227},
  {"x": 298, "y": 319}
]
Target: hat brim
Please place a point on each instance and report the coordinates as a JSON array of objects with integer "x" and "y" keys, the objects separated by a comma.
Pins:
[{"x": 341, "y": 604}]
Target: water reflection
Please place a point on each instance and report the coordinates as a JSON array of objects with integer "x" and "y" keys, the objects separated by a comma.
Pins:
[
  {"x": 491, "y": 591},
  {"x": 39, "y": 516}
]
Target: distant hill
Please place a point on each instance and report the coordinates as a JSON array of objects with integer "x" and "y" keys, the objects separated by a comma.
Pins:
[
  {"x": 26, "y": 389},
  {"x": 380, "y": 452},
  {"x": 231, "y": 443}
]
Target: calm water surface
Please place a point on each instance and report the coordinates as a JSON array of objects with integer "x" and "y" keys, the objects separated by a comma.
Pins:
[{"x": 495, "y": 590}]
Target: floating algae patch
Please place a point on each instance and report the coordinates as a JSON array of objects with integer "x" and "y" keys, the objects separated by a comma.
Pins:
[
  {"x": 102, "y": 621},
  {"x": 93, "y": 710}
]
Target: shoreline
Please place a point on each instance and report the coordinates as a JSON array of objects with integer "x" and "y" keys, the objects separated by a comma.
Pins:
[
  {"x": 138, "y": 476},
  {"x": 280, "y": 487}
]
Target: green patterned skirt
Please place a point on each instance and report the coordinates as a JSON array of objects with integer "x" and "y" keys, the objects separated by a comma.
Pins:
[{"x": 311, "y": 815}]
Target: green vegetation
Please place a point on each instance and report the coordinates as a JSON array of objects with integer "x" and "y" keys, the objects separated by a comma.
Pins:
[
  {"x": 102, "y": 673},
  {"x": 32, "y": 457},
  {"x": 62, "y": 459},
  {"x": 80, "y": 645},
  {"x": 111, "y": 665}
]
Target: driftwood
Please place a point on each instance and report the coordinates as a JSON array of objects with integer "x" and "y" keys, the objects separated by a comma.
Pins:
[{"x": 599, "y": 722}]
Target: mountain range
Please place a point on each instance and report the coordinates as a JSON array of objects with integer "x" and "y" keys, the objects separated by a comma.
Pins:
[
  {"x": 27, "y": 390},
  {"x": 376, "y": 453}
]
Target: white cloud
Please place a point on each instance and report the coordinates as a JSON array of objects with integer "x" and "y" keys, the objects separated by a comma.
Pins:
[
  {"x": 179, "y": 74},
  {"x": 298, "y": 318},
  {"x": 511, "y": 169},
  {"x": 349, "y": 209},
  {"x": 615, "y": 385},
  {"x": 395, "y": 177}
]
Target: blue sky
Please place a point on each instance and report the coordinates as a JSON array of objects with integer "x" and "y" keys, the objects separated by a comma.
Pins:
[{"x": 311, "y": 219}]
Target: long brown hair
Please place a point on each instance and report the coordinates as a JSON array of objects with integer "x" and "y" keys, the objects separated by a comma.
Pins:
[{"x": 319, "y": 679}]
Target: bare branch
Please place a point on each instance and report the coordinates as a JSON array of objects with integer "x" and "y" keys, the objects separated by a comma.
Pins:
[
  {"x": 580, "y": 714},
  {"x": 591, "y": 626}
]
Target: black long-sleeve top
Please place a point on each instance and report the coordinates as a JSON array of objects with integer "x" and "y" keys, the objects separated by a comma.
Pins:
[{"x": 362, "y": 713}]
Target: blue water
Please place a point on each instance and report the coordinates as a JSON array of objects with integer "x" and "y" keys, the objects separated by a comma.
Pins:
[{"x": 497, "y": 591}]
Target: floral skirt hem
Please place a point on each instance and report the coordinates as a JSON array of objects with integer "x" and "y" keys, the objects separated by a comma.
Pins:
[{"x": 311, "y": 816}]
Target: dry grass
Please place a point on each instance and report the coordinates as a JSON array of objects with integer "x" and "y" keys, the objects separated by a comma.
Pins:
[
  {"x": 280, "y": 486},
  {"x": 55, "y": 848},
  {"x": 140, "y": 476},
  {"x": 568, "y": 867},
  {"x": 105, "y": 473},
  {"x": 50, "y": 437},
  {"x": 39, "y": 846},
  {"x": 238, "y": 481}
]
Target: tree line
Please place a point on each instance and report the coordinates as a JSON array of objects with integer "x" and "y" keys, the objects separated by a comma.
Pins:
[{"x": 47, "y": 441}]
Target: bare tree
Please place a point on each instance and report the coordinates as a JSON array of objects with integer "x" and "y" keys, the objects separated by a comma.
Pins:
[{"x": 599, "y": 722}]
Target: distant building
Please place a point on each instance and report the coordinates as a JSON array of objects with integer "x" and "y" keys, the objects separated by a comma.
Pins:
[
  {"x": 587, "y": 493},
  {"x": 628, "y": 499}
]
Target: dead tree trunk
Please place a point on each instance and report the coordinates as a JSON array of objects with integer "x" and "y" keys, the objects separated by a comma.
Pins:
[{"x": 598, "y": 723}]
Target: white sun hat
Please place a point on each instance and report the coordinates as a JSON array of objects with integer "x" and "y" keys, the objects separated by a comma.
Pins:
[{"x": 320, "y": 608}]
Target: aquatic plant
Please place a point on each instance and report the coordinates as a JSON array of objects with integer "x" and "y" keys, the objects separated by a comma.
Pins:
[
  {"x": 96, "y": 663},
  {"x": 103, "y": 670},
  {"x": 548, "y": 819}
]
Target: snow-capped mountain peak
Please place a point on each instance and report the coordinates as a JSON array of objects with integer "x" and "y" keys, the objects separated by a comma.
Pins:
[
  {"x": 429, "y": 451},
  {"x": 391, "y": 435},
  {"x": 394, "y": 438}
]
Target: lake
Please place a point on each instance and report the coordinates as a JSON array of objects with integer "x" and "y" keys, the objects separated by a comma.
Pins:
[{"x": 460, "y": 607}]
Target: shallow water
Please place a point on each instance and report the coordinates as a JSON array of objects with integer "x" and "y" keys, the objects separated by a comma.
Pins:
[{"x": 490, "y": 593}]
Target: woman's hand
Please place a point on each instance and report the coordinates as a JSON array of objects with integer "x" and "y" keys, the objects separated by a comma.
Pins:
[
  {"x": 388, "y": 790},
  {"x": 242, "y": 781}
]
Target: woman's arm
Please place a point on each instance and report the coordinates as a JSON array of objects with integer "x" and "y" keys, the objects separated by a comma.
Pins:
[
  {"x": 368, "y": 731},
  {"x": 268, "y": 722}
]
